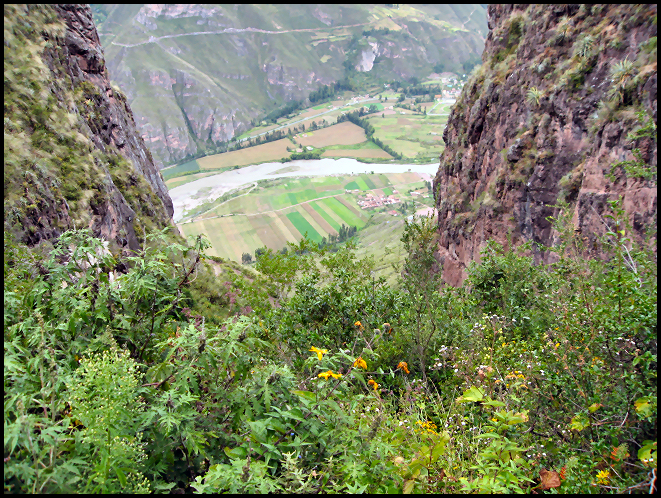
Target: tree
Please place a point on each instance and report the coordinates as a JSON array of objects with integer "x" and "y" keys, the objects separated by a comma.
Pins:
[{"x": 246, "y": 258}]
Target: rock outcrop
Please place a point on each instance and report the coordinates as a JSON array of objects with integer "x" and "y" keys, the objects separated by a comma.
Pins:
[
  {"x": 545, "y": 120},
  {"x": 73, "y": 154}
]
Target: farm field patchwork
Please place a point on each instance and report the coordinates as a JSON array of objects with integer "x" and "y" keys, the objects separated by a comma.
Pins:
[
  {"x": 409, "y": 134},
  {"x": 281, "y": 210}
]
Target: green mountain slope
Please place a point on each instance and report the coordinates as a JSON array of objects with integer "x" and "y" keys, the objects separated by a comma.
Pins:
[{"x": 197, "y": 75}]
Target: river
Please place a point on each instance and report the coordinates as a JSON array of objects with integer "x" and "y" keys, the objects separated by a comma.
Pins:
[{"x": 200, "y": 191}]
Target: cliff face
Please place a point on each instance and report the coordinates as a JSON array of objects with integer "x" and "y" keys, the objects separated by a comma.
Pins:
[
  {"x": 73, "y": 155},
  {"x": 544, "y": 120}
]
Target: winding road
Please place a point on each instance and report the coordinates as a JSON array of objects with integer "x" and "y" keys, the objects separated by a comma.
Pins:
[{"x": 154, "y": 39}]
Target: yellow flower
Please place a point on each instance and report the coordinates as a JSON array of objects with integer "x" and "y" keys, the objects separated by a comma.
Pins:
[
  {"x": 358, "y": 324},
  {"x": 373, "y": 384},
  {"x": 403, "y": 366},
  {"x": 320, "y": 352},
  {"x": 360, "y": 363},
  {"x": 603, "y": 476},
  {"x": 329, "y": 373}
]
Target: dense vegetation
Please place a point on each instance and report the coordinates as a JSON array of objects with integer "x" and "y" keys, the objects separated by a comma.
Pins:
[{"x": 324, "y": 379}]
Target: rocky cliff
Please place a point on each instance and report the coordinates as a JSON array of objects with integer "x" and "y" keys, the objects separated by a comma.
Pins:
[
  {"x": 198, "y": 75},
  {"x": 73, "y": 155},
  {"x": 564, "y": 95}
]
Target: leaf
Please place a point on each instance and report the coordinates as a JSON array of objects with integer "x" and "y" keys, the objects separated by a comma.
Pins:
[
  {"x": 310, "y": 396},
  {"x": 121, "y": 476},
  {"x": 493, "y": 402},
  {"x": 472, "y": 394},
  {"x": 487, "y": 434},
  {"x": 594, "y": 407},
  {"x": 643, "y": 406},
  {"x": 550, "y": 479},
  {"x": 518, "y": 418},
  {"x": 236, "y": 453},
  {"x": 647, "y": 453},
  {"x": 408, "y": 487},
  {"x": 580, "y": 422}
]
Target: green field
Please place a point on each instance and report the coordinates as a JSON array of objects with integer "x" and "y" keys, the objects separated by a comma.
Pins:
[
  {"x": 411, "y": 134},
  {"x": 303, "y": 226},
  {"x": 281, "y": 210},
  {"x": 189, "y": 167}
]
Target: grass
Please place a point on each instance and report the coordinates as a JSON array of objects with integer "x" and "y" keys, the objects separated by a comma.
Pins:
[{"x": 358, "y": 184}]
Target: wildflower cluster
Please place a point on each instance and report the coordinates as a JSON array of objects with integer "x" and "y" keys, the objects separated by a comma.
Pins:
[
  {"x": 603, "y": 476},
  {"x": 329, "y": 373},
  {"x": 426, "y": 428},
  {"x": 516, "y": 374},
  {"x": 445, "y": 352}
]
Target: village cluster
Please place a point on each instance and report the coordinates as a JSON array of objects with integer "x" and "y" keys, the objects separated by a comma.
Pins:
[{"x": 370, "y": 201}]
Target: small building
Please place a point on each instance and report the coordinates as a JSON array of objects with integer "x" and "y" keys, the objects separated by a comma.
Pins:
[{"x": 308, "y": 147}]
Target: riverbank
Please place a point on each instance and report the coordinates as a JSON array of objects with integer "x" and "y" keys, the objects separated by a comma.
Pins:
[{"x": 196, "y": 193}]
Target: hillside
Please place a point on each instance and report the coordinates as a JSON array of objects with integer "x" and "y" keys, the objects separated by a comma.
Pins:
[
  {"x": 548, "y": 118},
  {"x": 198, "y": 75},
  {"x": 73, "y": 154}
]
